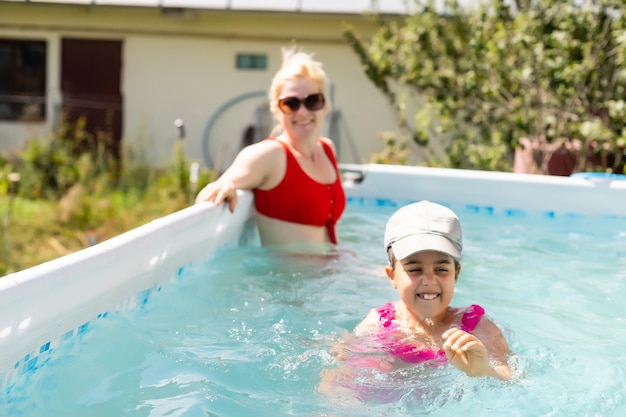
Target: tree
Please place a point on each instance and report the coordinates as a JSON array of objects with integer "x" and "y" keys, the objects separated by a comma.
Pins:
[{"x": 552, "y": 71}]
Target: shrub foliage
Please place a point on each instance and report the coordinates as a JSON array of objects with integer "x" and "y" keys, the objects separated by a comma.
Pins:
[{"x": 497, "y": 71}]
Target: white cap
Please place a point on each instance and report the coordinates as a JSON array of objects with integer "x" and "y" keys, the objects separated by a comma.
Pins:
[{"x": 424, "y": 226}]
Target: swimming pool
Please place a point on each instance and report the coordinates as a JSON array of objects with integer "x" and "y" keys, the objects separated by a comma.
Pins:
[{"x": 261, "y": 351}]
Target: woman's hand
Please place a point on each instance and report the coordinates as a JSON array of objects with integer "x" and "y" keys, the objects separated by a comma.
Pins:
[{"x": 219, "y": 192}]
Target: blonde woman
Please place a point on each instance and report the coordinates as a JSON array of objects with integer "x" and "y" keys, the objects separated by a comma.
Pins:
[{"x": 293, "y": 174}]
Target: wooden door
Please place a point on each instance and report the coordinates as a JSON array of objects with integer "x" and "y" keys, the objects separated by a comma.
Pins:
[{"x": 91, "y": 90}]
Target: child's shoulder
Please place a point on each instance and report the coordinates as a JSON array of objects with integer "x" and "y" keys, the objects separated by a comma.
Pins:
[
  {"x": 467, "y": 318},
  {"x": 472, "y": 309},
  {"x": 371, "y": 323}
]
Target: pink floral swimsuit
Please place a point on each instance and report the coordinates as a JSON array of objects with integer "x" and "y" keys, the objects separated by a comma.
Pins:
[{"x": 414, "y": 354}]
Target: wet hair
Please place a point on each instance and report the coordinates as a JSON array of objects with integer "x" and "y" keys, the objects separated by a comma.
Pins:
[
  {"x": 392, "y": 259},
  {"x": 296, "y": 64}
]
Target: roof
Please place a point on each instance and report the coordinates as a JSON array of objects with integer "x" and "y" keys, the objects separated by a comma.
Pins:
[{"x": 396, "y": 7}]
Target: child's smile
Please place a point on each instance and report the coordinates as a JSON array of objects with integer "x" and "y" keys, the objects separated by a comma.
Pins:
[{"x": 428, "y": 296}]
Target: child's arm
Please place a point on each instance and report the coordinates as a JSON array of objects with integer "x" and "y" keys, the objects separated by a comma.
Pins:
[
  {"x": 483, "y": 353},
  {"x": 352, "y": 356},
  {"x": 369, "y": 326}
]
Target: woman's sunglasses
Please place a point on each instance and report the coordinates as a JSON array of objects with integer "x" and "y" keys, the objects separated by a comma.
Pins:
[{"x": 312, "y": 102}]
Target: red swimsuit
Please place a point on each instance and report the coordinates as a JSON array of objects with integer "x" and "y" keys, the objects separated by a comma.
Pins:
[{"x": 300, "y": 199}]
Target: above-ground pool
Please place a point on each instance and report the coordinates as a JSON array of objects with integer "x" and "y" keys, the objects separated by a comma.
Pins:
[{"x": 164, "y": 321}]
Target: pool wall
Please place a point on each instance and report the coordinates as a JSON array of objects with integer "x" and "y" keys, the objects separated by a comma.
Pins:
[
  {"x": 491, "y": 190},
  {"x": 43, "y": 306}
]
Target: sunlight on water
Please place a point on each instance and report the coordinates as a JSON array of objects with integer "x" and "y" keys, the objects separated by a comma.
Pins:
[{"x": 249, "y": 332}]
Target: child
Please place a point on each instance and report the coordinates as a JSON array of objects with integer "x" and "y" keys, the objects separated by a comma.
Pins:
[{"x": 423, "y": 242}]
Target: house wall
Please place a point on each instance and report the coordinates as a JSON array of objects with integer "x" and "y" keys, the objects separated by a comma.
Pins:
[{"x": 184, "y": 67}]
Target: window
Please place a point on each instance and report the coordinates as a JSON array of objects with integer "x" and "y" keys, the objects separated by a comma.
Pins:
[
  {"x": 22, "y": 80},
  {"x": 252, "y": 61}
]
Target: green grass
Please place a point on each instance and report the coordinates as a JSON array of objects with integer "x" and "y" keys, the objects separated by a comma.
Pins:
[
  {"x": 65, "y": 199},
  {"x": 37, "y": 231}
]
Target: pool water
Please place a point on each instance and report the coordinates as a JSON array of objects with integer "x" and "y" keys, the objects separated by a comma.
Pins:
[{"x": 249, "y": 331}]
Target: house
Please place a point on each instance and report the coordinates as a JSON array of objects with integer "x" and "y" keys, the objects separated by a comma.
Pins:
[{"x": 150, "y": 72}]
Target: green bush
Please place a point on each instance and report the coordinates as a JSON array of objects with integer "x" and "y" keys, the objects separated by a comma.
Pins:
[
  {"x": 490, "y": 73},
  {"x": 69, "y": 197}
]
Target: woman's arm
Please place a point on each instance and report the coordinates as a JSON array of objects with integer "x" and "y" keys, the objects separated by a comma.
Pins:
[{"x": 252, "y": 168}]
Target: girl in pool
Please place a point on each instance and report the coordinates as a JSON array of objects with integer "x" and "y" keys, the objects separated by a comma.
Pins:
[{"x": 424, "y": 241}]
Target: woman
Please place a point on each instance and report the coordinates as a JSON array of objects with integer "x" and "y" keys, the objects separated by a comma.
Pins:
[{"x": 293, "y": 175}]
